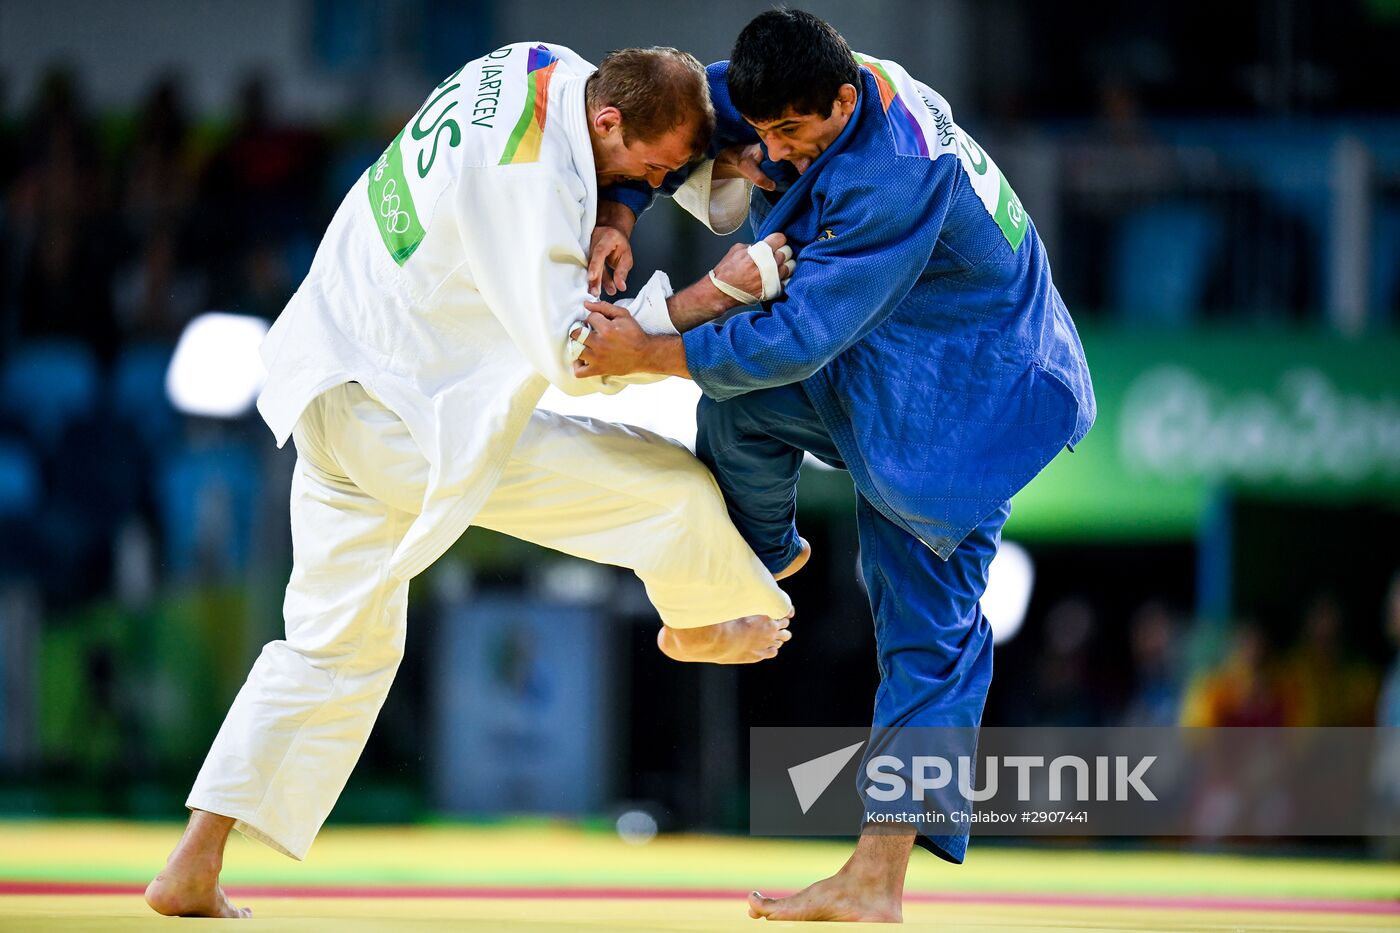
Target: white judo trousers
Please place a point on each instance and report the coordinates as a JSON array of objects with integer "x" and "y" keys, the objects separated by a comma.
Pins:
[{"x": 603, "y": 492}]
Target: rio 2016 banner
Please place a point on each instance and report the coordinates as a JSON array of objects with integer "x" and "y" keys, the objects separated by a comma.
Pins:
[{"x": 1281, "y": 414}]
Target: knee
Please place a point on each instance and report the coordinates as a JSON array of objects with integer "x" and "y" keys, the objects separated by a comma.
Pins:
[
  {"x": 362, "y": 656},
  {"x": 718, "y": 427},
  {"x": 286, "y": 669},
  {"x": 693, "y": 524},
  {"x": 726, "y": 416},
  {"x": 352, "y": 639},
  {"x": 698, "y": 500}
]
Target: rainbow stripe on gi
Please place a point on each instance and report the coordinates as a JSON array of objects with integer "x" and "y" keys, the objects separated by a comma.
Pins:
[
  {"x": 524, "y": 142},
  {"x": 908, "y": 136}
]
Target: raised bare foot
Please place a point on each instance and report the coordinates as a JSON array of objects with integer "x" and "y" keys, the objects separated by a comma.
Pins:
[
  {"x": 839, "y": 897},
  {"x": 179, "y": 894},
  {"x": 798, "y": 562},
  {"x": 740, "y": 641}
]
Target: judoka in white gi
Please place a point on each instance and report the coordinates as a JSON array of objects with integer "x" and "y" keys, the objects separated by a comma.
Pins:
[{"x": 407, "y": 368}]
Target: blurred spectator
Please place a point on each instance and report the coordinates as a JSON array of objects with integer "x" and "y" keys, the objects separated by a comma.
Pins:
[
  {"x": 260, "y": 195},
  {"x": 1244, "y": 690},
  {"x": 1385, "y": 773},
  {"x": 157, "y": 291},
  {"x": 155, "y": 294},
  {"x": 57, "y": 225},
  {"x": 1113, "y": 171},
  {"x": 1063, "y": 693},
  {"x": 1388, "y": 710},
  {"x": 265, "y": 284},
  {"x": 7, "y": 149},
  {"x": 1327, "y": 687},
  {"x": 159, "y": 185},
  {"x": 1122, "y": 141},
  {"x": 1156, "y": 699}
]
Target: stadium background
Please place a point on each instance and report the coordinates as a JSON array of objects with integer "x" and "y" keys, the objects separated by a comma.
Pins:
[{"x": 1218, "y": 186}]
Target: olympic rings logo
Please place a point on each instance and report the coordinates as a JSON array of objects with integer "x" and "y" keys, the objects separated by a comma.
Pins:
[
  {"x": 1015, "y": 212},
  {"x": 389, "y": 203}
]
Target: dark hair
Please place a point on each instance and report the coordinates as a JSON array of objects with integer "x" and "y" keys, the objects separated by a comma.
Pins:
[
  {"x": 655, "y": 90},
  {"x": 789, "y": 58}
]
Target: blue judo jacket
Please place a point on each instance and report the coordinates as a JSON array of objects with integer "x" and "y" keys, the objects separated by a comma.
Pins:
[{"x": 921, "y": 321}]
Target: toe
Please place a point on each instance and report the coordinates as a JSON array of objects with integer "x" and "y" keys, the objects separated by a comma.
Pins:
[{"x": 782, "y": 908}]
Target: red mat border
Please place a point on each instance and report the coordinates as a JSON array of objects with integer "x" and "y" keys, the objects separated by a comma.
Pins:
[{"x": 1153, "y": 902}]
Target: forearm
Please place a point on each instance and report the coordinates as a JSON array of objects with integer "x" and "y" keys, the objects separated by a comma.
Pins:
[
  {"x": 617, "y": 215},
  {"x": 698, "y": 304},
  {"x": 666, "y": 355},
  {"x": 739, "y": 356}
]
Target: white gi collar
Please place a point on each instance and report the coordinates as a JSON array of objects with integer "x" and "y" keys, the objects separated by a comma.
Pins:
[{"x": 567, "y": 100}]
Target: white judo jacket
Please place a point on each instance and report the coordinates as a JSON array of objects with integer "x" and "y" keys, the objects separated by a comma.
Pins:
[{"x": 449, "y": 278}]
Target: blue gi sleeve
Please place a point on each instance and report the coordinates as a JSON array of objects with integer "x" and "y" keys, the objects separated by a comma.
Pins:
[
  {"x": 880, "y": 229},
  {"x": 636, "y": 196}
]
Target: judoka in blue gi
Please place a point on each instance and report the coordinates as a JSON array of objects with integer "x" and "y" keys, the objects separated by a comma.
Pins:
[{"x": 921, "y": 346}]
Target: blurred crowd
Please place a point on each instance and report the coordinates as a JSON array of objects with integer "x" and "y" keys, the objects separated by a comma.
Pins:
[
  {"x": 1312, "y": 671},
  {"x": 120, "y": 228},
  {"x": 120, "y": 231}
]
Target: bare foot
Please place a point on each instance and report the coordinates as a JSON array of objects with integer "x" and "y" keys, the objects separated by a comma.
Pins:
[
  {"x": 839, "y": 897},
  {"x": 191, "y": 895},
  {"x": 798, "y": 562},
  {"x": 869, "y": 888},
  {"x": 740, "y": 641},
  {"x": 189, "y": 884}
]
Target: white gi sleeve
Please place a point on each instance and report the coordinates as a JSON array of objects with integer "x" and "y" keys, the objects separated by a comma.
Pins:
[
  {"x": 722, "y": 205},
  {"x": 520, "y": 230}
]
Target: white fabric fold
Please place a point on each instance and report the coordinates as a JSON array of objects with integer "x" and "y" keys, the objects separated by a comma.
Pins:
[
  {"x": 649, "y": 307},
  {"x": 722, "y": 205},
  {"x": 650, "y": 311}
]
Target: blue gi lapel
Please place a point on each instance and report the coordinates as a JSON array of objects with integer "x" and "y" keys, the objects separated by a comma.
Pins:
[{"x": 867, "y": 108}]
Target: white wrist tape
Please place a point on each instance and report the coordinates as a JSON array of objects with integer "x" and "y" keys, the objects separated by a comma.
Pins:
[
  {"x": 576, "y": 344},
  {"x": 738, "y": 294},
  {"x": 767, "y": 262}
]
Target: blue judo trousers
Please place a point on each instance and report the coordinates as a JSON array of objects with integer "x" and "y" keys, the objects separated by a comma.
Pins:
[
  {"x": 922, "y": 346},
  {"x": 933, "y": 645}
]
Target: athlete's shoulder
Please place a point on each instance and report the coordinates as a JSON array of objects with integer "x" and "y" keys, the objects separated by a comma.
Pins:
[
  {"x": 537, "y": 53},
  {"x": 568, "y": 59},
  {"x": 518, "y": 92},
  {"x": 923, "y": 131}
]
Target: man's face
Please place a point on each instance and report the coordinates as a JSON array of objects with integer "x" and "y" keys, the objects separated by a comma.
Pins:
[
  {"x": 618, "y": 159},
  {"x": 800, "y": 137}
]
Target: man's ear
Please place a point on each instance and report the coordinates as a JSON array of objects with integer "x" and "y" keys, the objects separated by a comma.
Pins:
[
  {"x": 606, "y": 120},
  {"x": 846, "y": 99}
]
